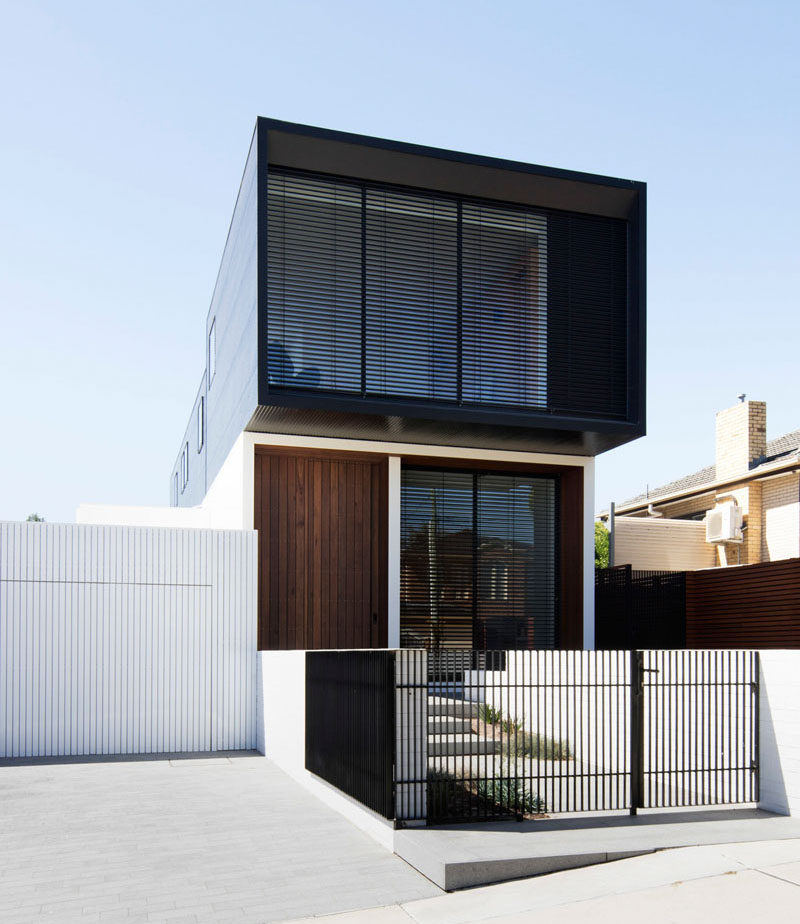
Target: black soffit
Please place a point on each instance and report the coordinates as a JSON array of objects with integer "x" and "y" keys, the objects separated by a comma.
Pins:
[{"x": 395, "y": 429}]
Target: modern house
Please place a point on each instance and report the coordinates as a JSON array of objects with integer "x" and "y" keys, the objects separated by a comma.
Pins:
[
  {"x": 412, "y": 357},
  {"x": 744, "y": 509}
]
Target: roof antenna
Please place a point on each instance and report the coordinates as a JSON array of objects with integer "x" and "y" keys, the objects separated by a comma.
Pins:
[{"x": 742, "y": 396}]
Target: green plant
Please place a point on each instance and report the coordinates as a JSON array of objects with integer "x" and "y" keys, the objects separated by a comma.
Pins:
[
  {"x": 510, "y": 727},
  {"x": 511, "y": 794},
  {"x": 489, "y": 714},
  {"x": 600, "y": 545},
  {"x": 527, "y": 744},
  {"x": 34, "y": 518}
]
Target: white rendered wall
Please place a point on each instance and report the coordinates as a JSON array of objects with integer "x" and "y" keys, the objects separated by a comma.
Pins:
[
  {"x": 229, "y": 499},
  {"x": 780, "y": 731},
  {"x": 281, "y": 736},
  {"x": 126, "y": 640}
]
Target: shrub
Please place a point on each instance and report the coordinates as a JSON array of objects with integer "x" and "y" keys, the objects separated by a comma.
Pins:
[
  {"x": 489, "y": 714},
  {"x": 526, "y": 744},
  {"x": 511, "y": 794}
]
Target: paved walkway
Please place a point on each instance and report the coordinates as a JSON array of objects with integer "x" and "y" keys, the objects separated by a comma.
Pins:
[
  {"x": 731, "y": 883},
  {"x": 461, "y": 856},
  {"x": 196, "y": 840}
]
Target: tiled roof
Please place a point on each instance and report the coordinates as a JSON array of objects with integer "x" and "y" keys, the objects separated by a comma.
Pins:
[{"x": 782, "y": 447}]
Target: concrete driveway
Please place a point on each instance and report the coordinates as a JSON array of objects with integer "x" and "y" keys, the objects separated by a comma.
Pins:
[{"x": 224, "y": 838}]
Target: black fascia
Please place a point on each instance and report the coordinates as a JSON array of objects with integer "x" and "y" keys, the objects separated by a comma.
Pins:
[
  {"x": 500, "y": 415},
  {"x": 320, "y": 150},
  {"x": 306, "y": 148}
]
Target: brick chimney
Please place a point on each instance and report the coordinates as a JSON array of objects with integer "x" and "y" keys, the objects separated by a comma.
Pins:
[{"x": 741, "y": 437}]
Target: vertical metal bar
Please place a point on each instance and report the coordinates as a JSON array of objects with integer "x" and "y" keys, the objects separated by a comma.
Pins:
[
  {"x": 663, "y": 737},
  {"x": 718, "y": 730},
  {"x": 614, "y": 658},
  {"x": 637, "y": 731},
  {"x": 729, "y": 763},
  {"x": 755, "y": 711},
  {"x": 650, "y": 741},
  {"x": 696, "y": 732},
  {"x": 595, "y": 725},
  {"x": 737, "y": 733}
]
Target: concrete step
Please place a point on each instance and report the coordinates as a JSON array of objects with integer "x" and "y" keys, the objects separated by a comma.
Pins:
[
  {"x": 458, "y": 708},
  {"x": 460, "y": 745},
  {"x": 448, "y": 725}
]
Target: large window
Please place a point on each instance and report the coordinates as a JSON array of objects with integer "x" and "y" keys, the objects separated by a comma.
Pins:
[
  {"x": 314, "y": 284},
  {"x": 478, "y": 560},
  {"x": 379, "y": 292},
  {"x": 387, "y": 293},
  {"x": 504, "y": 306},
  {"x": 411, "y": 295}
]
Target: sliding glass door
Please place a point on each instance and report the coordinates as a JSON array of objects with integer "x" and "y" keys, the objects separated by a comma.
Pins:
[{"x": 478, "y": 560}]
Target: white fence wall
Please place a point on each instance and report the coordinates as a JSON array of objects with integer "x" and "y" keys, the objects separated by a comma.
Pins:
[
  {"x": 779, "y": 746},
  {"x": 126, "y": 640}
]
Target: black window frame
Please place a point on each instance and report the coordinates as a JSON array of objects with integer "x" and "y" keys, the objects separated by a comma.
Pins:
[
  {"x": 468, "y": 411},
  {"x": 475, "y": 474}
]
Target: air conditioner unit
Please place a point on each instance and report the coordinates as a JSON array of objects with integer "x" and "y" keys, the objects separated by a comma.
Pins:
[{"x": 724, "y": 523}]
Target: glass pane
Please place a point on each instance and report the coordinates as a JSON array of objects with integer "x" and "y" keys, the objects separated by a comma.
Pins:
[
  {"x": 504, "y": 259},
  {"x": 436, "y": 560},
  {"x": 516, "y": 562},
  {"x": 411, "y": 295},
  {"x": 314, "y": 284},
  {"x": 477, "y": 561}
]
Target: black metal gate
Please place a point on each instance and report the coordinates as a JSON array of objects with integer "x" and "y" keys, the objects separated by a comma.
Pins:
[
  {"x": 694, "y": 728},
  {"x": 545, "y": 732}
]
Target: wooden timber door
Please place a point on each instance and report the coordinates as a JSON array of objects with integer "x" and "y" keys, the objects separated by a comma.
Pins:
[{"x": 321, "y": 520}]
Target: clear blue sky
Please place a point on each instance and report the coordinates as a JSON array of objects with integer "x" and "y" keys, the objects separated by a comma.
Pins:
[{"x": 124, "y": 131}]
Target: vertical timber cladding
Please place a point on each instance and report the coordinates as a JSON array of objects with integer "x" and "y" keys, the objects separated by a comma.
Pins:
[{"x": 322, "y": 524}]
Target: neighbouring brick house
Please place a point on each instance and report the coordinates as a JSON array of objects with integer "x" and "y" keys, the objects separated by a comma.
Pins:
[{"x": 760, "y": 477}]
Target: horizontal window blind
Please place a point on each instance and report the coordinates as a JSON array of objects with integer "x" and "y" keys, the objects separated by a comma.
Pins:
[
  {"x": 375, "y": 291},
  {"x": 411, "y": 295},
  {"x": 314, "y": 284},
  {"x": 504, "y": 261},
  {"x": 478, "y": 561}
]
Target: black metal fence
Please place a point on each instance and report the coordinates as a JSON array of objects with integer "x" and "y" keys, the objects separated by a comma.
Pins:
[
  {"x": 639, "y": 609},
  {"x": 484, "y": 735},
  {"x": 350, "y": 723},
  {"x": 696, "y": 727},
  {"x": 536, "y": 732}
]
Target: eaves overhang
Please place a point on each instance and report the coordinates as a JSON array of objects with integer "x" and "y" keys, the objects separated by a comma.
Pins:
[
  {"x": 711, "y": 487},
  {"x": 318, "y": 150}
]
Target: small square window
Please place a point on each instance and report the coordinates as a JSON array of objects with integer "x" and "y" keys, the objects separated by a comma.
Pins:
[{"x": 212, "y": 352}]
